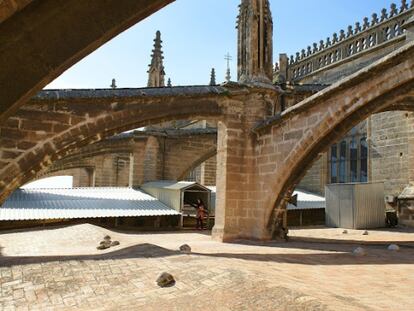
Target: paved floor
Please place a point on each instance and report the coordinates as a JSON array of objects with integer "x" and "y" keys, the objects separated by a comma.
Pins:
[
  {"x": 404, "y": 236},
  {"x": 60, "y": 269}
]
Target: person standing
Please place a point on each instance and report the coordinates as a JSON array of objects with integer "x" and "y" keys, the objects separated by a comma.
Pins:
[{"x": 201, "y": 213}]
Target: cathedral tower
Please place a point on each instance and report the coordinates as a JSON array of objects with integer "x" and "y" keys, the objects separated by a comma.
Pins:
[
  {"x": 255, "y": 42},
  {"x": 156, "y": 73}
]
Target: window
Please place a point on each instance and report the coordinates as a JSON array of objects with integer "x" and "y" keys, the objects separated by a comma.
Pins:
[
  {"x": 342, "y": 162},
  {"x": 334, "y": 175},
  {"x": 348, "y": 159},
  {"x": 364, "y": 159},
  {"x": 353, "y": 155}
]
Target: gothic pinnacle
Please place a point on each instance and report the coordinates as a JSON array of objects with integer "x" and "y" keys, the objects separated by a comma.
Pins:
[
  {"x": 113, "y": 84},
  {"x": 213, "y": 77},
  {"x": 156, "y": 73},
  {"x": 228, "y": 58},
  {"x": 255, "y": 42}
]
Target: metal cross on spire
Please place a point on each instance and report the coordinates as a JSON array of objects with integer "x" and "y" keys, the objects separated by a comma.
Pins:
[{"x": 228, "y": 58}]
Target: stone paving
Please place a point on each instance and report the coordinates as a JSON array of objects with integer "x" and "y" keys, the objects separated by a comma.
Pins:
[{"x": 60, "y": 269}]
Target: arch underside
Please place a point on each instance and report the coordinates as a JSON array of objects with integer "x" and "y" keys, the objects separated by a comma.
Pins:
[
  {"x": 330, "y": 129},
  {"x": 50, "y": 42}
]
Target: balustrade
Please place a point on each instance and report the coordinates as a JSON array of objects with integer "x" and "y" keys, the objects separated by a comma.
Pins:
[{"x": 356, "y": 39}]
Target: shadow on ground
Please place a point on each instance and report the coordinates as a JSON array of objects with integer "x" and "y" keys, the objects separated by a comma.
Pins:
[{"x": 339, "y": 255}]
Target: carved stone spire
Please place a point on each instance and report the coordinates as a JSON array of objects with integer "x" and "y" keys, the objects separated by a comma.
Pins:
[
  {"x": 113, "y": 84},
  {"x": 213, "y": 77},
  {"x": 255, "y": 42},
  {"x": 156, "y": 73}
]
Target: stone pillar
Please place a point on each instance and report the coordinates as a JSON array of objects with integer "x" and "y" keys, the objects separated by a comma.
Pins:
[
  {"x": 409, "y": 27},
  {"x": 240, "y": 210},
  {"x": 91, "y": 175},
  {"x": 131, "y": 170},
  {"x": 153, "y": 162},
  {"x": 283, "y": 65}
]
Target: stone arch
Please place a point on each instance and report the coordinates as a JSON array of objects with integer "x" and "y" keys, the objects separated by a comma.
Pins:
[
  {"x": 303, "y": 131},
  {"x": 156, "y": 156},
  {"x": 47, "y": 42},
  {"x": 207, "y": 155},
  {"x": 102, "y": 118}
]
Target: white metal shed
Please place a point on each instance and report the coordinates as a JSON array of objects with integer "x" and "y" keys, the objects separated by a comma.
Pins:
[
  {"x": 355, "y": 205},
  {"x": 179, "y": 195}
]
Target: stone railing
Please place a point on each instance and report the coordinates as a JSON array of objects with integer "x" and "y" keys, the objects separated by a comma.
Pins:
[{"x": 358, "y": 39}]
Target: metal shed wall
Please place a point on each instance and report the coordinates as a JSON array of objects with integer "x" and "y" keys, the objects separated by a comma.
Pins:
[
  {"x": 355, "y": 206},
  {"x": 170, "y": 197},
  {"x": 213, "y": 190}
]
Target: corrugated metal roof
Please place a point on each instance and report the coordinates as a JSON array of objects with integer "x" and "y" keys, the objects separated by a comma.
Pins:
[
  {"x": 30, "y": 204},
  {"x": 172, "y": 185},
  {"x": 307, "y": 200}
]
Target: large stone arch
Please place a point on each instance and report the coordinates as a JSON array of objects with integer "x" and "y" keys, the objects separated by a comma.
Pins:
[
  {"x": 298, "y": 135},
  {"x": 79, "y": 118},
  {"x": 155, "y": 155},
  {"x": 41, "y": 39}
]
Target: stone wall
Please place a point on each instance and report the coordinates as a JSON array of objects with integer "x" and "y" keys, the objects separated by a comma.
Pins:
[
  {"x": 391, "y": 137},
  {"x": 316, "y": 178},
  {"x": 185, "y": 153},
  {"x": 131, "y": 160},
  {"x": 112, "y": 170},
  {"x": 208, "y": 172},
  {"x": 81, "y": 177}
]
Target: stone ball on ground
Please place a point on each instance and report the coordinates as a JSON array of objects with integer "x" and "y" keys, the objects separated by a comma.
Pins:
[
  {"x": 393, "y": 247},
  {"x": 103, "y": 246},
  {"x": 106, "y": 244},
  {"x": 345, "y": 232},
  {"x": 115, "y": 243},
  {"x": 359, "y": 251},
  {"x": 185, "y": 248},
  {"x": 365, "y": 232},
  {"x": 165, "y": 280}
]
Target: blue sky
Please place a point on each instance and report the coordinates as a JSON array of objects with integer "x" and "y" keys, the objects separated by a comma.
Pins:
[{"x": 198, "y": 33}]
